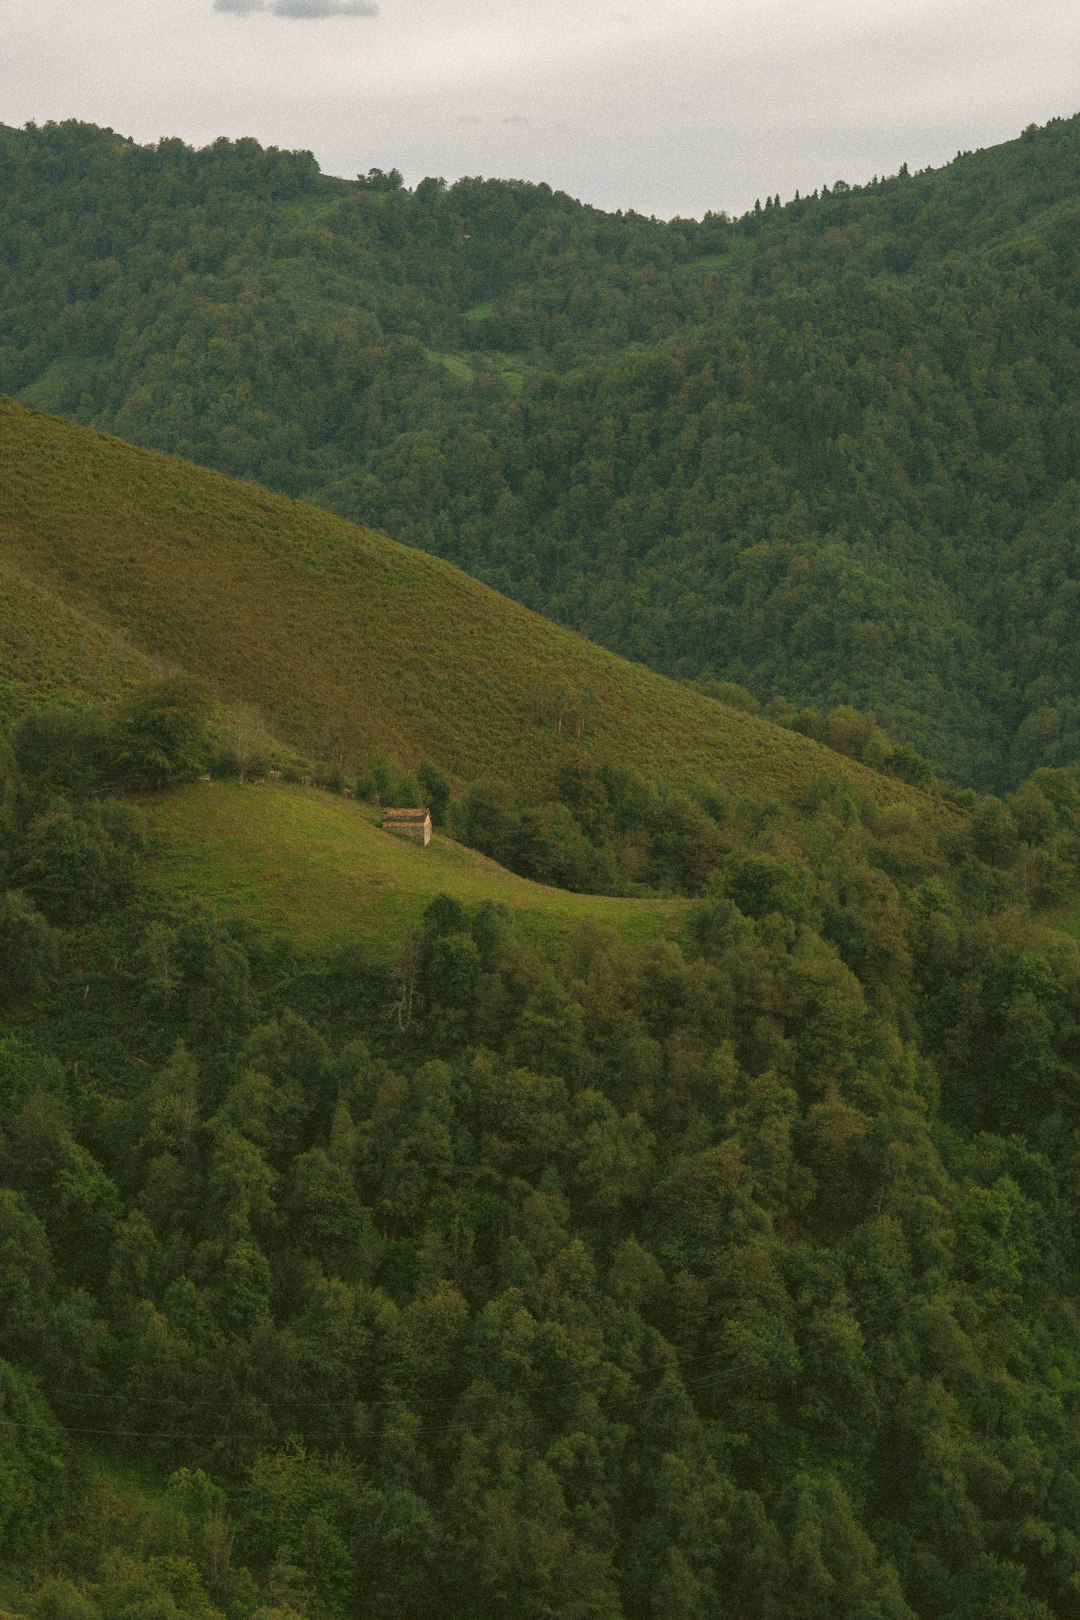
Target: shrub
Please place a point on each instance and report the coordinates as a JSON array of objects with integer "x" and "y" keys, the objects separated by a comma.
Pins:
[{"x": 162, "y": 734}]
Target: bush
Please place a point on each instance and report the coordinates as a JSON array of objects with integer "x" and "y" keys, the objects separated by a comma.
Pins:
[
  {"x": 329, "y": 777},
  {"x": 28, "y": 948},
  {"x": 76, "y": 862},
  {"x": 162, "y": 734},
  {"x": 63, "y": 749},
  {"x": 31, "y": 1463}
]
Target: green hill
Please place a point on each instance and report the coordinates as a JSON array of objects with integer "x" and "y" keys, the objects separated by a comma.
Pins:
[
  {"x": 827, "y": 450},
  {"x": 382, "y": 1233},
  {"x": 119, "y": 560},
  {"x": 317, "y": 869}
]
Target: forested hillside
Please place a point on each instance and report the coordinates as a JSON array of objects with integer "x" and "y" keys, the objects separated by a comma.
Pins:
[
  {"x": 734, "y": 1273},
  {"x": 827, "y": 450},
  {"x": 384, "y": 1234},
  {"x": 657, "y": 1198}
]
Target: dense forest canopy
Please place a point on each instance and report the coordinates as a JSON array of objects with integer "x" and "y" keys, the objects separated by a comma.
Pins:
[
  {"x": 827, "y": 450},
  {"x": 735, "y": 1275}
]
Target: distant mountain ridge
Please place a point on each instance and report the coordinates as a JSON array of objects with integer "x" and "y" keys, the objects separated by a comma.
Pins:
[{"x": 828, "y": 450}]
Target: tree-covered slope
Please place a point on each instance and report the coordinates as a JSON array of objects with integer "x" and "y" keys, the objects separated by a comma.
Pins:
[
  {"x": 811, "y": 450},
  {"x": 532, "y": 1271},
  {"x": 383, "y": 1234}
]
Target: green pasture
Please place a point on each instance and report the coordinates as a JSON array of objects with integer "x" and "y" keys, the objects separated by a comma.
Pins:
[
  {"x": 335, "y": 632},
  {"x": 297, "y": 861}
]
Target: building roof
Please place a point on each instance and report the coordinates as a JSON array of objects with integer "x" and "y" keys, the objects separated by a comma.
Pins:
[{"x": 405, "y": 815}]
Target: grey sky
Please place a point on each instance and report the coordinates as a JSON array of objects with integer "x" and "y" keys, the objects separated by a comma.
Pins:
[
  {"x": 667, "y": 106},
  {"x": 301, "y": 9}
]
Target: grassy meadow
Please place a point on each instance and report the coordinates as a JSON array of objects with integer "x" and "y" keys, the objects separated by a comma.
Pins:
[
  {"x": 118, "y": 561},
  {"x": 52, "y": 649},
  {"x": 299, "y": 861}
]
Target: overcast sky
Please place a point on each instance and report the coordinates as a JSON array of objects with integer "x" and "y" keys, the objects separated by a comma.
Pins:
[{"x": 666, "y": 106}]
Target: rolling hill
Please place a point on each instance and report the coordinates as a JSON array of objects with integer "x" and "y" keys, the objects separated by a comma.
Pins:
[
  {"x": 826, "y": 450},
  {"x": 368, "y": 1247},
  {"x": 118, "y": 561},
  {"x": 316, "y": 868}
]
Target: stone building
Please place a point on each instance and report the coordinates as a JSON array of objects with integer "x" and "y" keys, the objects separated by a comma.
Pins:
[{"x": 414, "y": 824}]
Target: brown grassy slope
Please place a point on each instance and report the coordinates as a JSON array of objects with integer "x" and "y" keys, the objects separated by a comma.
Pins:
[
  {"x": 49, "y": 648},
  {"x": 329, "y": 627}
]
